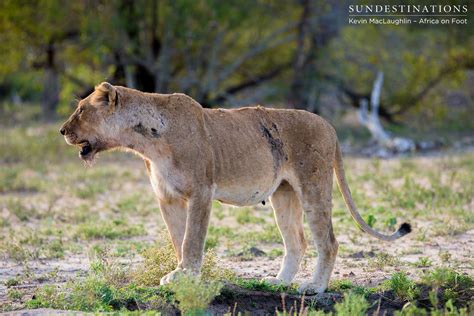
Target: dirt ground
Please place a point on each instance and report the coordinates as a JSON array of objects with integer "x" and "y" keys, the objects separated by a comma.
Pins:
[{"x": 353, "y": 266}]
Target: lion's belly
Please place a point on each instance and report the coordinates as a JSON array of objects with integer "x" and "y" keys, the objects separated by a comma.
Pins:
[{"x": 243, "y": 195}]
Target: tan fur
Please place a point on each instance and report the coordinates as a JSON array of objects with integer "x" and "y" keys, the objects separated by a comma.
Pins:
[{"x": 241, "y": 157}]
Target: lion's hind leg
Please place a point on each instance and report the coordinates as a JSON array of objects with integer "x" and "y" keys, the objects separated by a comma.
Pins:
[
  {"x": 289, "y": 218},
  {"x": 317, "y": 204}
]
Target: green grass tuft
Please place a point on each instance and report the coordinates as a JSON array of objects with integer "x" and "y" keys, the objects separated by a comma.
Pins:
[
  {"x": 193, "y": 295},
  {"x": 352, "y": 305},
  {"x": 403, "y": 288},
  {"x": 109, "y": 230}
]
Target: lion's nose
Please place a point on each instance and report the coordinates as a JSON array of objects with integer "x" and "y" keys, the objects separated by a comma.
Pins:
[{"x": 62, "y": 131}]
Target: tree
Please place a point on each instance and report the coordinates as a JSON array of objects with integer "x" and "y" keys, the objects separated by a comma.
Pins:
[{"x": 35, "y": 33}]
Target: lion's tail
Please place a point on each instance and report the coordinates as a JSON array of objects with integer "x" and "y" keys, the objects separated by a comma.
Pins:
[{"x": 404, "y": 229}]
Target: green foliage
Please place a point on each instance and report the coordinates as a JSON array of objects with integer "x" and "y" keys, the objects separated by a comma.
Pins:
[
  {"x": 244, "y": 216},
  {"x": 449, "y": 309},
  {"x": 276, "y": 252},
  {"x": 21, "y": 211},
  {"x": 352, "y": 305},
  {"x": 110, "y": 230},
  {"x": 35, "y": 146},
  {"x": 161, "y": 260},
  {"x": 14, "y": 294},
  {"x": 106, "y": 287},
  {"x": 87, "y": 44},
  {"x": 211, "y": 242},
  {"x": 370, "y": 220},
  {"x": 262, "y": 285},
  {"x": 383, "y": 259},
  {"x": 31, "y": 244},
  {"x": 453, "y": 283},
  {"x": 403, "y": 288},
  {"x": 344, "y": 285},
  {"x": 391, "y": 223},
  {"x": 89, "y": 190},
  {"x": 158, "y": 261},
  {"x": 194, "y": 295},
  {"x": 445, "y": 277},
  {"x": 12, "y": 282},
  {"x": 424, "y": 262},
  {"x": 270, "y": 234},
  {"x": 341, "y": 285}
]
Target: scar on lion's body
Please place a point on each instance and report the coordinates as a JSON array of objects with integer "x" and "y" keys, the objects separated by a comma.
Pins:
[
  {"x": 154, "y": 133},
  {"x": 139, "y": 128},
  {"x": 276, "y": 145}
]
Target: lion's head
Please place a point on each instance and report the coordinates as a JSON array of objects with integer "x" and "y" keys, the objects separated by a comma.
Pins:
[{"x": 94, "y": 123}]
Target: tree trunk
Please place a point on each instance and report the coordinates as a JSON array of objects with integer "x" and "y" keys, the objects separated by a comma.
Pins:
[
  {"x": 51, "y": 88},
  {"x": 295, "y": 98},
  {"x": 372, "y": 122}
]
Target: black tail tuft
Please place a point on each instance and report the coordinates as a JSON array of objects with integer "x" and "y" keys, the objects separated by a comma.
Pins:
[{"x": 404, "y": 229}]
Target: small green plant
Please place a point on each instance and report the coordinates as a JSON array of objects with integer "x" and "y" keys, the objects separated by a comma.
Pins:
[
  {"x": 219, "y": 214},
  {"x": 106, "y": 287},
  {"x": 244, "y": 216},
  {"x": 211, "y": 242},
  {"x": 391, "y": 223},
  {"x": 15, "y": 251},
  {"x": 158, "y": 261},
  {"x": 403, "y": 288},
  {"x": 270, "y": 234},
  {"x": 109, "y": 230},
  {"x": 275, "y": 252},
  {"x": 22, "y": 212},
  {"x": 12, "y": 282},
  {"x": 161, "y": 260},
  {"x": 370, "y": 220},
  {"x": 193, "y": 295},
  {"x": 448, "y": 278},
  {"x": 262, "y": 285},
  {"x": 352, "y": 305},
  {"x": 449, "y": 309},
  {"x": 341, "y": 285},
  {"x": 453, "y": 283},
  {"x": 423, "y": 262},
  {"x": 14, "y": 294},
  {"x": 89, "y": 190},
  {"x": 445, "y": 256},
  {"x": 383, "y": 259}
]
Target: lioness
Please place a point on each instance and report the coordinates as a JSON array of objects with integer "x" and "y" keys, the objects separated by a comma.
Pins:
[{"x": 240, "y": 157}]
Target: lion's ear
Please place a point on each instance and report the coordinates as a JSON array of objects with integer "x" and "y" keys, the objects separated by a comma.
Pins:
[{"x": 105, "y": 94}]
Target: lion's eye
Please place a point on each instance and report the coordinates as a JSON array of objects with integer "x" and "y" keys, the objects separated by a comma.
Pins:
[{"x": 80, "y": 111}]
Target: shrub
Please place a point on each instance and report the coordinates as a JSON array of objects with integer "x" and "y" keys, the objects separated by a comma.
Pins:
[
  {"x": 352, "y": 305},
  {"x": 453, "y": 283},
  {"x": 161, "y": 260},
  {"x": 194, "y": 295},
  {"x": 402, "y": 286}
]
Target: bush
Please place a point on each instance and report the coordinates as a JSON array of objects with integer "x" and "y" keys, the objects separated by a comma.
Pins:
[
  {"x": 403, "y": 288},
  {"x": 194, "y": 295},
  {"x": 161, "y": 260},
  {"x": 352, "y": 305}
]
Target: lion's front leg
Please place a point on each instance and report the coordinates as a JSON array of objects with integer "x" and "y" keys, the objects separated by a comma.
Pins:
[
  {"x": 173, "y": 211},
  {"x": 197, "y": 221}
]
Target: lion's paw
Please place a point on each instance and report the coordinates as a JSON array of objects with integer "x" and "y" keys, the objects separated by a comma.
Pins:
[
  {"x": 310, "y": 288},
  {"x": 274, "y": 281},
  {"x": 172, "y": 276}
]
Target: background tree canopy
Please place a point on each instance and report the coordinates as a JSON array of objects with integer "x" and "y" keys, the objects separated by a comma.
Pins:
[{"x": 229, "y": 53}]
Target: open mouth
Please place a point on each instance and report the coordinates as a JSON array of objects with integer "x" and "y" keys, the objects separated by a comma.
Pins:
[{"x": 86, "y": 149}]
